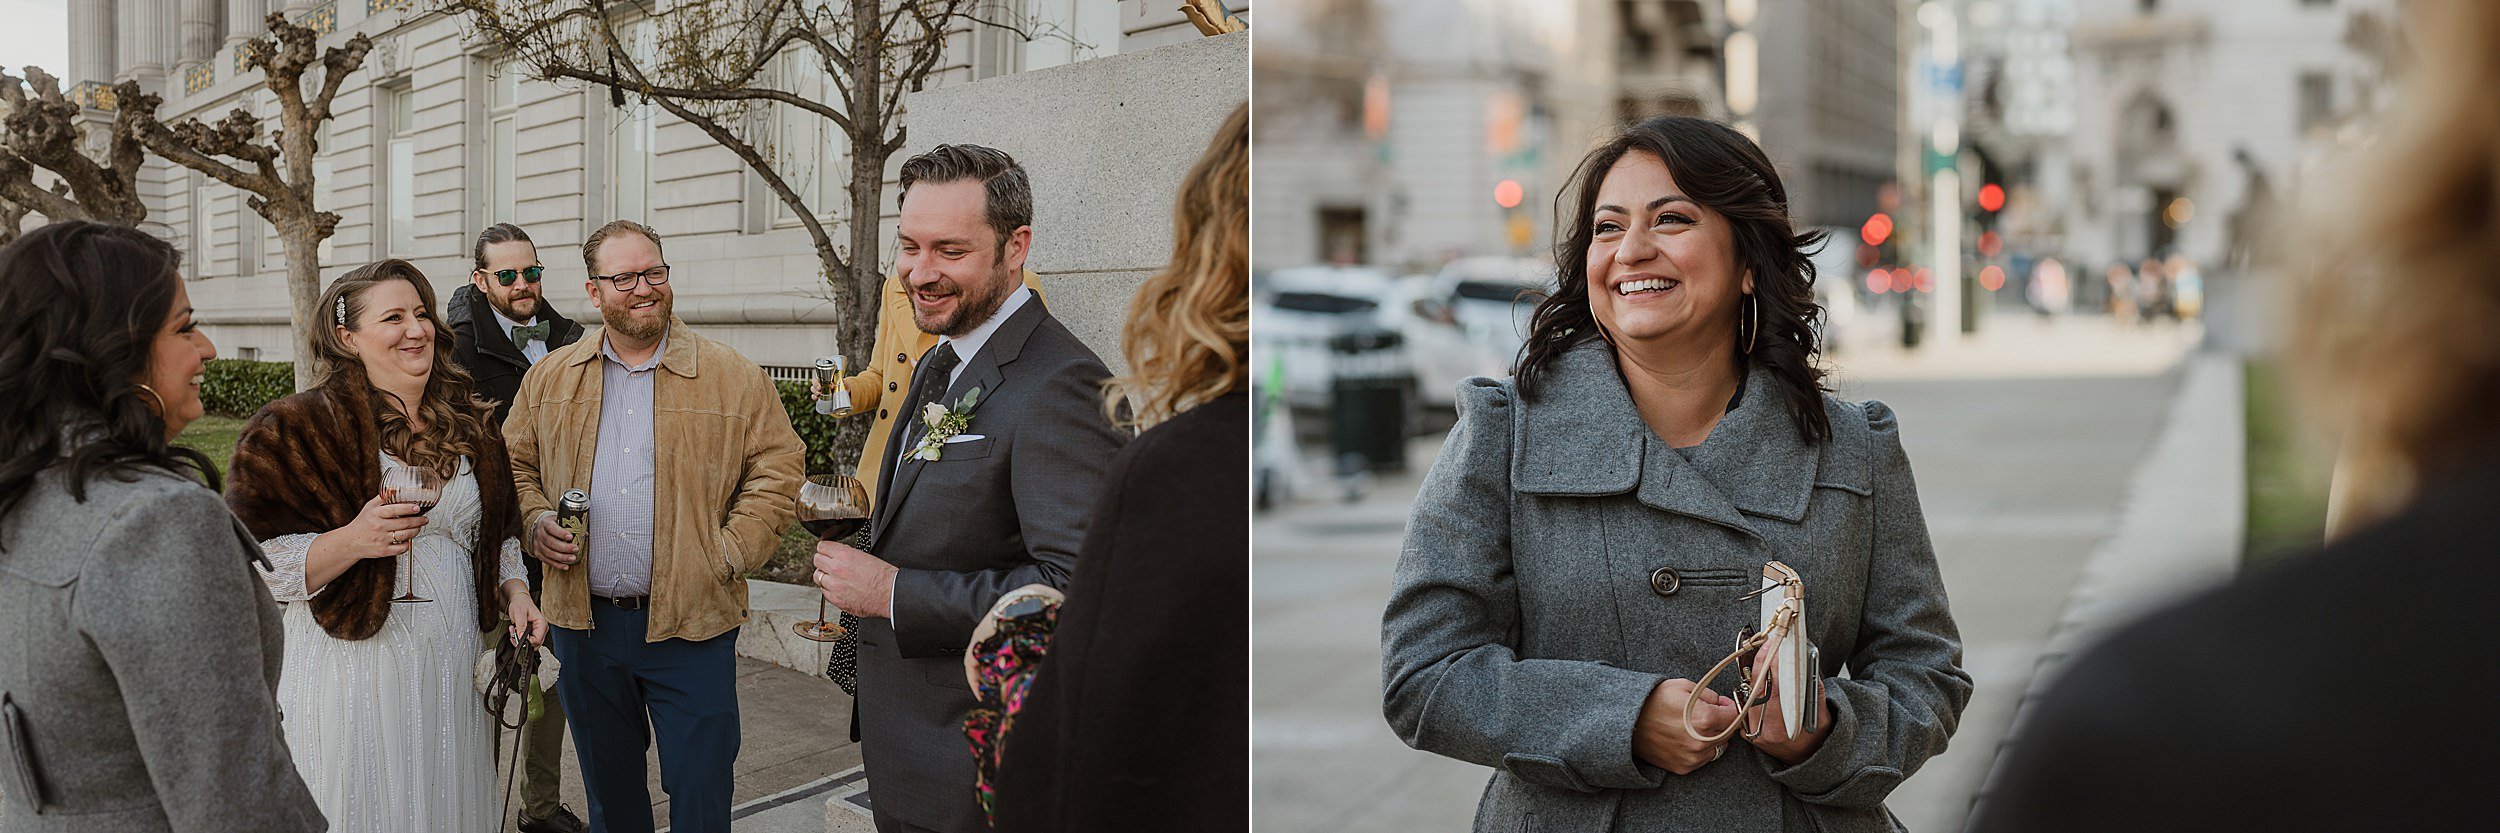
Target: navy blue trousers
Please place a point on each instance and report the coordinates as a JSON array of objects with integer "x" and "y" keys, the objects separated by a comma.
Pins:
[{"x": 619, "y": 691}]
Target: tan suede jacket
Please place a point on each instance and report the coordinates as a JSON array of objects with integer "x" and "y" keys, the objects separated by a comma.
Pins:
[{"x": 729, "y": 467}]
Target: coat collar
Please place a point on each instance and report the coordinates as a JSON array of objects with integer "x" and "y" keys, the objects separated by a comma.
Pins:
[
  {"x": 1583, "y": 437},
  {"x": 679, "y": 354}
]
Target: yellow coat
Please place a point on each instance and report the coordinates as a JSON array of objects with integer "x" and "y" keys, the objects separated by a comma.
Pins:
[{"x": 887, "y": 368}]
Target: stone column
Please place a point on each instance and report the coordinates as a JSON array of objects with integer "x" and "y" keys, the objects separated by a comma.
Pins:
[
  {"x": 154, "y": 47},
  {"x": 243, "y": 20},
  {"x": 199, "y": 31},
  {"x": 91, "y": 55},
  {"x": 125, "y": 36}
]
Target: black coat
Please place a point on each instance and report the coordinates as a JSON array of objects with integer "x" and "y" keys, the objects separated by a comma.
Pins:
[
  {"x": 480, "y": 346},
  {"x": 1140, "y": 717},
  {"x": 2349, "y": 689}
]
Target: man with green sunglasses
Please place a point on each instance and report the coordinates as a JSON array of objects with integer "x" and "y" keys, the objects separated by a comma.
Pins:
[
  {"x": 501, "y": 325},
  {"x": 498, "y": 340}
]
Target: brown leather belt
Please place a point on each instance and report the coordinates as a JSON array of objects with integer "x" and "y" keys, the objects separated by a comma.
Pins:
[{"x": 627, "y": 602}]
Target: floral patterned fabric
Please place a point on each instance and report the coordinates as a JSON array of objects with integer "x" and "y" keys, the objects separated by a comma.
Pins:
[{"x": 1004, "y": 665}]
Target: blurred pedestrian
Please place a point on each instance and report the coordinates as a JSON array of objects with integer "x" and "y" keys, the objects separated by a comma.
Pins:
[
  {"x": 386, "y": 482},
  {"x": 2347, "y": 689},
  {"x": 2120, "y": 282},
  {"x": 139, "y": 654},
  {"x": 1584, "y": 547},
  {"x": 2152, "y": 291},
  {"x": 1110, "y": 738}
]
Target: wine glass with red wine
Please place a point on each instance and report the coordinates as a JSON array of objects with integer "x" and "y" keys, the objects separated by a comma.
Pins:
[
  {"x": 831, "y": 507},
  {"x": 420, "y": 486}
]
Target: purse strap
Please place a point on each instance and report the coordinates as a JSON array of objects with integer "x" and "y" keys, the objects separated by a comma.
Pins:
[{"x": 1769, "y": 639}]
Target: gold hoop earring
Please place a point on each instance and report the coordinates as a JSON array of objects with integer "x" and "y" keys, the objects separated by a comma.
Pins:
[
  {"x": 1754, "y": 337},
  {"x": 151, "y": 392}
]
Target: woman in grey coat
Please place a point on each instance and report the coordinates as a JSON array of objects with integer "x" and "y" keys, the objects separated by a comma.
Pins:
[
  {"x": 1582, "y": 549},
  {"x": 138, "y": 651}
]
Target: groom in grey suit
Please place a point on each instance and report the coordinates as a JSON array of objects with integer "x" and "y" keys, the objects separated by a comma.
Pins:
[{"x": 960, "y": 519}]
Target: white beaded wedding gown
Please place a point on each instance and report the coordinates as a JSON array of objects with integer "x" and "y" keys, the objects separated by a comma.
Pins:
[{"x": 389, "y": 732}]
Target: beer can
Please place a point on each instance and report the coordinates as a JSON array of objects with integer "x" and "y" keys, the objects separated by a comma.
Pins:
[
  {"x": 573, "y": 512},
  {"x": 829, "y": 372}
]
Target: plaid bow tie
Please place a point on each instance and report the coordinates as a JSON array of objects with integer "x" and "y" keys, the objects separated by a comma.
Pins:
[{"x": 523, "y": 335}]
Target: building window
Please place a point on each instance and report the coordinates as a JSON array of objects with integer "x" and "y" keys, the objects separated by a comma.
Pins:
[
  {"x": 2317, "y": 99},
  {"x": 398, "y": 205},
  {"x": 632, "y": 131},
  {"x": 1068, "y": 31},
  {"x": 811, "y": 152},
  {"x": 251, "y": 235},
  {"x": 1342, "y": 234},
  {"x": 503, "y": 118}
]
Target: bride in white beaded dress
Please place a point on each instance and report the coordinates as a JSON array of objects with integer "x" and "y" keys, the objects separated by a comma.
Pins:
[{"x": 376, "y": 695}]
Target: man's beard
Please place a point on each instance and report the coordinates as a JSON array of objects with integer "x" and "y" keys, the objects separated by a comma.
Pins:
[
  {"x": 973, "y": 309},
  {"x": 621, "y": 319},
  {"x": 505, "y": 308}
]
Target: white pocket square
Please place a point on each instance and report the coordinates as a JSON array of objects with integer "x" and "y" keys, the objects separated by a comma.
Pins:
[{"x": 964, "y": 438}]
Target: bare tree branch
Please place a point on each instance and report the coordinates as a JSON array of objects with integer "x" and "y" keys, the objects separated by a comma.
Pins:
[
  {"x": 277, "y": 175},
  {"x": 42, "y": 130}
]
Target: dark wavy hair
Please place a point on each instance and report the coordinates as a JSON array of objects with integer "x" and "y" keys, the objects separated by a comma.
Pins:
[
  {"x": 457, "y": 420},
  {"x": 80, "y": 307},
  {"x": 1720, "y": 168}
]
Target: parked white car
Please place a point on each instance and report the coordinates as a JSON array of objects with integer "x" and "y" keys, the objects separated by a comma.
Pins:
[
  {"x": 1836, "y": 278},
  {"x": 1492, "y": 299},
  {"x": 1300, "y": 309}
]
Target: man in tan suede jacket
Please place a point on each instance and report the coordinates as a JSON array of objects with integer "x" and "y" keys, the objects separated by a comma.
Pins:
[{"x": 692, "y": 467}]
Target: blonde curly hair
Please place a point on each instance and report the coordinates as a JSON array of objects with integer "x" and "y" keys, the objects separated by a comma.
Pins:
[{"x": 2393, "y": 346}]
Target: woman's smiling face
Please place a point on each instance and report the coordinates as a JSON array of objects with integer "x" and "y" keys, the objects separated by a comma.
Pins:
[{"x": 1661, "y": 267}]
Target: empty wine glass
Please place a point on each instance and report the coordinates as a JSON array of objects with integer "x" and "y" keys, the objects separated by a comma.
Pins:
[
  {"x": 420, "y": 486},
  {"x": 832, "y": 506}
]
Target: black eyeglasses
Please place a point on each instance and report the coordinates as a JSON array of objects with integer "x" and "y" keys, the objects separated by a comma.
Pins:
[
  {"x": 507, "y": 276},
  {"x": 626, "y": 281}
]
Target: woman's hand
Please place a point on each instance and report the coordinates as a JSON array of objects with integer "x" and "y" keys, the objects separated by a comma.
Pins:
[
  {"x": 1773, "y": 738},
  {"x": 523, "y": 613},
  {"x": 1659, "y": 737},
  {"x": 382, "y": 530}
]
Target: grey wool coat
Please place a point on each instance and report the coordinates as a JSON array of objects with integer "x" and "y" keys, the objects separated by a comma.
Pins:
[
  {"x": 1528, "y": 622},
  {"x": 141, "y": 653}
]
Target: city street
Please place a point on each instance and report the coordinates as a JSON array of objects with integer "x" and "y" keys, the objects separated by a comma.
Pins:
[{"x": 1986, "y": 424}]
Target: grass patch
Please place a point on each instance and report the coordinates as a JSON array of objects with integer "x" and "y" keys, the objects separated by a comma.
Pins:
[
  {"x": 2287, "y": 476},
  {"x": 214, "y": 436}
]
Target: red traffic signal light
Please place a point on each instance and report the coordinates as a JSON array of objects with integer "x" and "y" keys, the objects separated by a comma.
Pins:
[
  {"x": 1991, "y": 197},
  {"x": 1877, "y": 229}
]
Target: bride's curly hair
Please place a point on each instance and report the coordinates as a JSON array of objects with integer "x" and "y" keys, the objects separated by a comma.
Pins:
[{"x": 457, "y": 420}]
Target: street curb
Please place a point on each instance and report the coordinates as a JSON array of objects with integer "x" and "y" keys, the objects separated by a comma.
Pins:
[
  {"x": 2180, "y": 530},
  {"x": 772, "y": 608}
]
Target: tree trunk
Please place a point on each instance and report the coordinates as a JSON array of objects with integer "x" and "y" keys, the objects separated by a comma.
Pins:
[{"x": 302, "y": 244}]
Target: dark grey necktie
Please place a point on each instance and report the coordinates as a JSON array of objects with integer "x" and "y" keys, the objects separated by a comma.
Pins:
[{"x": 928, "y": 384}]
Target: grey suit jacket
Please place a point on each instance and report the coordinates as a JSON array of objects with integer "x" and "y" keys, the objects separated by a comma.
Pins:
[
  {"x": 1524, "y": 628},
  {"x": 990, "y": 515},
  {"x": 142, "y": 653}
]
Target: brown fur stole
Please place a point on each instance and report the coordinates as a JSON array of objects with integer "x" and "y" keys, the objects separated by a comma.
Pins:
[{"x": 308, "y": 463}]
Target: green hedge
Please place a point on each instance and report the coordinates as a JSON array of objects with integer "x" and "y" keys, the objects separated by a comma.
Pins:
[
  {"x": 817, "y": 430},
  {"x": 238, "y": 388}
]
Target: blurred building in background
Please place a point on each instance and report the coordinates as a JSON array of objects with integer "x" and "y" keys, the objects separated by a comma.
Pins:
[{"x": 2194, "y": 116}]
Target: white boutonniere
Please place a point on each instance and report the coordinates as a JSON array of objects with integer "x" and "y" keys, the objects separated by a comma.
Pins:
[{"x": 939, "y": 423}]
